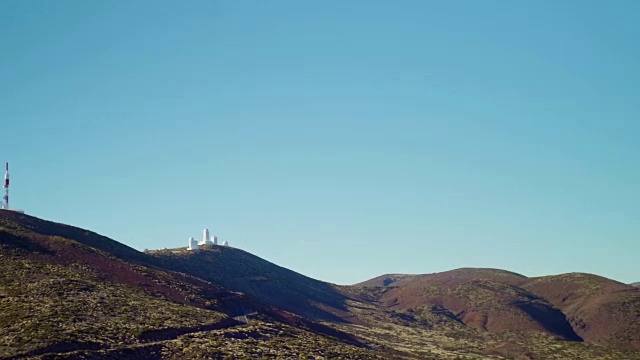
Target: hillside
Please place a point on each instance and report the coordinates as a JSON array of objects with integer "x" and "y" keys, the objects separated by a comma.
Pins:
[
  {"x": 273, "y": 285},
  {"x": 636, "y": 284},
  {"x": 572, "y": 307},
  {"x": 67, "y": 290},
  {"x": 397, "y": 280},
  {"x": 599, "y": 309},
  {"x": 63, "y": 289},
  {"x": 484, "y": 299},
  {"x": 70, "y": 293}
]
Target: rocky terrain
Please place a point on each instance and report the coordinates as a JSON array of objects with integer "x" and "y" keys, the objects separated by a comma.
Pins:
[
  {"x": 69, "y": 293},
  {"x": 238, "y": 270},
  {"x": 512, "y": 315}
]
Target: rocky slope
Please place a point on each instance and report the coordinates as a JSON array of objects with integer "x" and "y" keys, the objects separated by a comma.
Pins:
[
  {"x": 575, "y": 307},
  {"x": 484, "y": 299},
  {"x": 74, "y": 293},
  {"x": 241, "y": 271},
  {"x": 64, "y": 289},
  {"x": 600, "y": 310}
]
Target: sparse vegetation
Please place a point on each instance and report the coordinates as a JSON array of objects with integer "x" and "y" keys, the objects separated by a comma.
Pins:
[{"x": 69, "y": 293}]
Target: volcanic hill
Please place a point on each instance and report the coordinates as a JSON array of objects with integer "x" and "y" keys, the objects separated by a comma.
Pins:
[
  {"x": 573, "y": 307},
  {"x": 276, "y": 286},
  {"x": 66, "y": 292}
]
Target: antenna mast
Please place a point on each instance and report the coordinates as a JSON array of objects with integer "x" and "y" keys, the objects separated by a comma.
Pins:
[{"x": 6, "y": 188}]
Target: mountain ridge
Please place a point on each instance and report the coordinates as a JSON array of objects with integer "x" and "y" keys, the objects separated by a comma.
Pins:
[
  {"x": 103, "y": 297},
  {"x": 148, "y": 303},
  {"x": 583, "y": 305}
]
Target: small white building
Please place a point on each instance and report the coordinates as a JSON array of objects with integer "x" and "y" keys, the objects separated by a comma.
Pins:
[
  {"x": 206, "y": 239},
  {"x": 193, "y": 244}
]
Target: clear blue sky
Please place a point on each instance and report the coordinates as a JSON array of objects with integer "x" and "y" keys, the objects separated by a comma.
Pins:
[{"x": 341, "y": 139}]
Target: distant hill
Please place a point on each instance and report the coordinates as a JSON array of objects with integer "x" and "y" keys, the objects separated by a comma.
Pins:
[
  {"x": 599, "y": 309},
  {"x": 573, "y": 306},
  {"x": 484, "y": 299},
  {"x": 636, "y": 284},
  {"x": 459, "y": 274}
]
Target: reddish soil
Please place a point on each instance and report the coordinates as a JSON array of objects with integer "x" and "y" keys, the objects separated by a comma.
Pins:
[
  {"x": 113, "y": 261},
  {"x": 599, "y": 309},
  {"x": 572, "y": 306}
]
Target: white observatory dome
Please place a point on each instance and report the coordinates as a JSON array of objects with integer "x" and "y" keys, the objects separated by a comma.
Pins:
[
  {"x": 193, "y": 244},
  {"x": 225, "y": 243}
]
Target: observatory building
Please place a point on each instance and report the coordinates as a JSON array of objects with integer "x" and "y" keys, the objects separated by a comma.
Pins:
[
  {"x": 207, "y": 240},
  {"x": 193, "y": 244}
]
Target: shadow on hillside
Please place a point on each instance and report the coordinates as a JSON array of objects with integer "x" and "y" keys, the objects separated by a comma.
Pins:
[
  {"x": 60, "y": 347},
  {"x": 552, "y": 319},
  {"x": 10, "y": 241},
  {"x": 266, "y": 283},
  {"x": 49, "y": 228},
  {"x": 148, "y": 352},
  {"x": 314, "y": 327},
  {"x": 173, "y": 333},
  {"x": 231, "y": 268}
]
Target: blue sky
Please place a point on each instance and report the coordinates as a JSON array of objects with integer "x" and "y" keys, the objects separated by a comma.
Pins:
[{"x": 341, "y": 139}]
